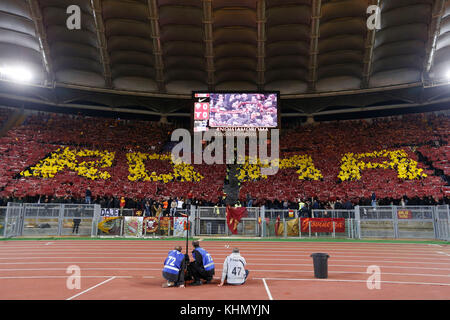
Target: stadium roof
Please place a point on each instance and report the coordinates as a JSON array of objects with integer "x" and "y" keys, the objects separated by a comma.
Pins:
[{"x": 146, "y": 56}]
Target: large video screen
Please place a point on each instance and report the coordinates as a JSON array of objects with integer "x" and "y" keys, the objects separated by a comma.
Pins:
[{"x": 235, "y": 110}]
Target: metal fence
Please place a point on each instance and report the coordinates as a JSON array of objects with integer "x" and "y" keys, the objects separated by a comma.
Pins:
[
  {"x": 413, "y": 222},
  {"x": 292, "y": 223},
  {"x": 2, "y": 221},
  {"x": 32, "y": 219},
  {"x": 213, "y": 221},
  {"x": 418, "y": 222}
]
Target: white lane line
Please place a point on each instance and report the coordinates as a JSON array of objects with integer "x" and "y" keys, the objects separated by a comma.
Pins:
[
  {"x": 218, "y": 270},
  {"x": 131, "y": 255},
  {"x": 211, "y": 248},
  {"x": 57, "y": 277},
  {"x": 443, "y": 253},
  {"x": 345, "y": 280},
  {"x": 259, "y": 264},
  {"x": 48, "y": 243},
  {"x": 101, "y": 241},
  {"x": 149, "y": 259},
  {"x": 89, "y": 289},
  {"x": 267, "y": 289}
]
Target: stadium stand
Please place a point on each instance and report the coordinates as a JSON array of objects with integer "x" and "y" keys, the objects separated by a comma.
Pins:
[{"x": 422, "y": 138}]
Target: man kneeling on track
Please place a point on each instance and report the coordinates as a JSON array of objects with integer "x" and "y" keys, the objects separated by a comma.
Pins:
[
  {"x": 174, "y": 267},
  {"x": 202, "y": 267},
  {"x": 234, "y": 269}
]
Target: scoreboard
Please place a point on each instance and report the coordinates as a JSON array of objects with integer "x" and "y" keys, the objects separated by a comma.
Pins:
[{"x": 235, "y": 111}]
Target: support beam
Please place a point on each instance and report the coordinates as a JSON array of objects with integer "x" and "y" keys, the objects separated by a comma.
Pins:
[
  {"x": 368, "y": 52},
  {"x": 101, "y": 40},
  {"x": 20, "y": 98},
  {"x": 434, "y": 31},
  {"x": 261, "y": 42},
  {"x": 157, "y": 48},
  {"x": 209, "y": 42},
  {"x": 316, "y": 8},
  {"x": 36, "y": 15}
]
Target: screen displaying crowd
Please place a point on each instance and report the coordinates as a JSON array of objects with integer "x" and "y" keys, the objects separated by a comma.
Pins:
[{"x": 243, "y": 110}]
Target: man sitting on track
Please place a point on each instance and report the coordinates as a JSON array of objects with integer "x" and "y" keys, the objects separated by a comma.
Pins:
[
  {"x": 202, "y": 267},
  {"x": 174, "y": 267},
  {"x": 234, "y": 269}
]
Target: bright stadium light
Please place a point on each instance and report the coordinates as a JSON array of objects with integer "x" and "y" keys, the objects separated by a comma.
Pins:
[{"x": 15, "y": 73}]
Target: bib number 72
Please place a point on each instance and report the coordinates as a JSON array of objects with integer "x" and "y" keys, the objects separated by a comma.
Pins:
[{"x": 171, "y": 261}]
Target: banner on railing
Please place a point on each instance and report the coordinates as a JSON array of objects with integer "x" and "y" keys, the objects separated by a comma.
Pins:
[
  {"x": 110, "y": 225},
  {"x": 322, "y": 224},
  {"x": 179, "y": 227},
  {"x": 151, "y": 224},
  {"x": 404, "y": 214},
  {"x": 164, "y": 223},
  {"x": 234, "y": 216},
  {"x": 133, "y": 226},
  {"x": 291, "y": 227},
  {"x": 109, "y": 212}
]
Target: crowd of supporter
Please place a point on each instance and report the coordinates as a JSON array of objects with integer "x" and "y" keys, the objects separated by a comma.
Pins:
[
  {"x": 317, "y": 149},
  {"x": 327, "y": 143}
]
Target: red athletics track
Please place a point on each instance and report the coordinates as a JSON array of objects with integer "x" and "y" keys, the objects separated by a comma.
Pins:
[{"x": 131, "y": 269}]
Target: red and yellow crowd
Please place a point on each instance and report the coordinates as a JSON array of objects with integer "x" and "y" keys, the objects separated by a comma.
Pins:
[{"x": 63, "y": 155}]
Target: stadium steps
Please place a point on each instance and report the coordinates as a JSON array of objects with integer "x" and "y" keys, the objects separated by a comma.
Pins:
[
  {"x": 14, "y": 120},
  {"x": 232, "y": 188}
]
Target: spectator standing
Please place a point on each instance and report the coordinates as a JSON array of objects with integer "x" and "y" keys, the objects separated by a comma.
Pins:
[
  {"x": 88, "y": 196},
  {"x": 147, "y": 209},
  {"x": 159, "y": 211},
  {"x": 249, "y": 200},
  {"x": 76, "y": 220},
  {"x": 180, "y": 204},
  {"x": 374, "y": 200},
  {"x": 122, "y": 205},
  {"x": 165, "y": 206},
  {"x": 154, "y": 209},
  {"x": 173, "y": 207}
]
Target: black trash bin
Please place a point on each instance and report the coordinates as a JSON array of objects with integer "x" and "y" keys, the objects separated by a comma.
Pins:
[{"x": 320, "y": 261}]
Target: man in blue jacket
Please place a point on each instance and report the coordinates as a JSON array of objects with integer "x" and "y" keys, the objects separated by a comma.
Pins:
[
  {"x": 174, "y": 267},
  {"x": 203, "y": 265}
]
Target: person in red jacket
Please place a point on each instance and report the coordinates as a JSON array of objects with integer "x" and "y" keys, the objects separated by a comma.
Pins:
[{"x": 122, "y": 205}]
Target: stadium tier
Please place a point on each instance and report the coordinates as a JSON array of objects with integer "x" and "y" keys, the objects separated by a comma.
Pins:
[{"x": 63, "y": 155}]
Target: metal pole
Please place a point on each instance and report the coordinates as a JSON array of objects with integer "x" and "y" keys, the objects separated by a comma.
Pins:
[
  {"x": 61, "y": 219},
  {"x": 334, "y": 229},
  {"x": 299, "y": 227},
  {"x": 284, "y": 227},
  {"x": 309, "y": 223},
  {"x": 358, "y": 227},
  {"x": 435, "y": 219},
  {"x": 395, "y": 221},
  {"x": 348, "y": 227},
  {"x": 448, "y": 223},
  {"x": 357, "y": 220},
  {"x": 170, "y": 227},
  {"x": 6, "y": 223},
  {"x": 351, "y": 229}
]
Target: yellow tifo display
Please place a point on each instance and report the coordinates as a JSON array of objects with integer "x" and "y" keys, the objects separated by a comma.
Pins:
[
  {"x": 407, "y": 169},
  {"x": 249, "y": 170}
]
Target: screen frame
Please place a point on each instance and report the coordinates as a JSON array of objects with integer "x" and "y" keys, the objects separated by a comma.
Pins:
[{"x": 237, "y": 92}]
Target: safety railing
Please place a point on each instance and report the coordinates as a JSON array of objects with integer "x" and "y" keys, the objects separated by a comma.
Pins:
[
  {"x": 52, "y": 219},
  {"x": 212, "y": 221},
  {"x": 419, "y": 222}
]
